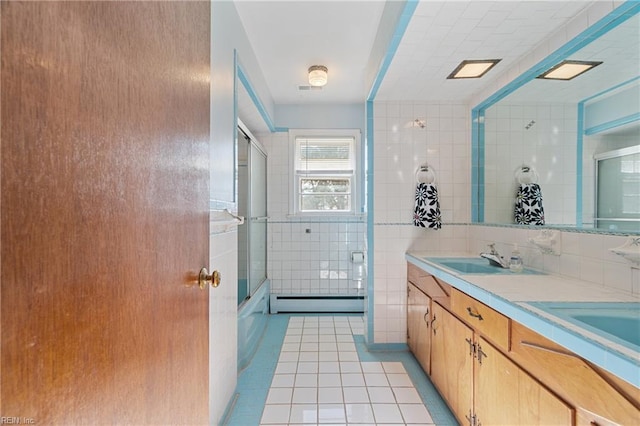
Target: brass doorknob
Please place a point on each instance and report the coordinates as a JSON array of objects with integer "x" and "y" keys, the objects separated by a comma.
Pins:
[{"x": 204, "y": 278}]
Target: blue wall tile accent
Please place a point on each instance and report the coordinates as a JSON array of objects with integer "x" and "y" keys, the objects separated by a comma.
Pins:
[
  {"x": 579, "y": 165},
  {"x": 244, "y": 79},
  {"x": 370, "y": 224},
  {"x": 401, "y": 27}
]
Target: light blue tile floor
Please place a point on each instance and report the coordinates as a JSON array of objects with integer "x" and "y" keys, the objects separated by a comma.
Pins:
[{"x": 254, "y": 382}]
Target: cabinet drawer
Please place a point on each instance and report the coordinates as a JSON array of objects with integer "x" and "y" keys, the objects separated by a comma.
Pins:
[
  {"x": 493, "y": 325},
  {"x": 415, "y": 274},
  {"x": 429, "y": 285}
]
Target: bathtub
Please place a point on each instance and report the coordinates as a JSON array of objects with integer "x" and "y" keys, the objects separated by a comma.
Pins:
[{"x": 252, "y": 320}]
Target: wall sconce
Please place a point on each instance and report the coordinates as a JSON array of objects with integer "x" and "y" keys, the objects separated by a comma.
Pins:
[{"x": 317, "y": 75}]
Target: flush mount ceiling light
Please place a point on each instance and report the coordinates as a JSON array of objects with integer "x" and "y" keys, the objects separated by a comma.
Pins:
[
  {"x": 473, "y": 68},
  {"x": 318, "y": 75},
  {"x": 566, "y": 70}
]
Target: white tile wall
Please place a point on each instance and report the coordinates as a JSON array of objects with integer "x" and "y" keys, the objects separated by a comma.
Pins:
[
  {"x": 548, "y": 145},
  {"x": 399, "y": 149},
  {"x": 306, "y": 256},
  {"x": 314, "y": 257},
  {"x": 223, "y": 320}
]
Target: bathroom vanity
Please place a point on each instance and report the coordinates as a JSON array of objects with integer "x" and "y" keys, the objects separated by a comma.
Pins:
[{"x": 497, "y": 358}]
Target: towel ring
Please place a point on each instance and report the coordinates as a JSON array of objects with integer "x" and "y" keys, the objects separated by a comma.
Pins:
[
  {"x": 526, "y": 174},
  {"x": 428, "y": 171}
]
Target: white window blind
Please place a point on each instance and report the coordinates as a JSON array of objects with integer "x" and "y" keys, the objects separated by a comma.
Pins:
[{"x": 325, "y": 154}]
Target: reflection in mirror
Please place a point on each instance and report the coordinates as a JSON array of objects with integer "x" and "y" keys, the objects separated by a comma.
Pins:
[
  {"x": 618, "y": 189},
  {"x": 557, "y": 129}
]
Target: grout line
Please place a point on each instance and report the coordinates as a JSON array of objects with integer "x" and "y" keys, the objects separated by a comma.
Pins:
[{"x": 249, "y": 411}]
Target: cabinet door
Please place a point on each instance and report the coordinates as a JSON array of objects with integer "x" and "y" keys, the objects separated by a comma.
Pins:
[
  {"x": 452, "y": 361},
  {"x": 504, "y": 394},
  {"x": 418, "y": 319}
]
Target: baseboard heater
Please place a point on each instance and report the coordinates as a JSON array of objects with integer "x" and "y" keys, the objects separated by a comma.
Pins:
[{"x": 293, "y": 303}]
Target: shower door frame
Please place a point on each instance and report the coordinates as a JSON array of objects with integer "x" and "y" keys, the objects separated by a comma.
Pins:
[
  {"x": 608, "y": 155},
  {"x": 250, "y": 219}
]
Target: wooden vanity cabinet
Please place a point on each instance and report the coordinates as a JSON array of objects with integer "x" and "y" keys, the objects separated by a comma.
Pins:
[
  {"x": 505, "y": 394},
  {"x": 468, "y": 362},
  {"x": 422, "y": 290},
  {"x": 483, "y": 319},
  {"x": 452, "y": 361},
  {"x": 418, "y": 321},
  {"x": 599, "y": 398}
]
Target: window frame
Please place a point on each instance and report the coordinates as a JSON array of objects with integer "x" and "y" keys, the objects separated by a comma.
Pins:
[{"x": 295, "y": 177}]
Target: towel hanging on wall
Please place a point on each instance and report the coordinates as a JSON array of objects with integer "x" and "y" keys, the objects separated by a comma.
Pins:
[
  {"x": 426, "y": 213},
  {"x": 528, "y": 209}
]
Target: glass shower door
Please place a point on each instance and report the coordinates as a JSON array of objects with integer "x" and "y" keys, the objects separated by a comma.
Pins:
[
  {"x": 252, "y": 204},
  {"x": 243, "y": 210},
  {"x": 258, "y": 219}
]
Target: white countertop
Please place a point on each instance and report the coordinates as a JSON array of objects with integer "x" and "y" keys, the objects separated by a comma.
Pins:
[{"x": 510, "y": 294}]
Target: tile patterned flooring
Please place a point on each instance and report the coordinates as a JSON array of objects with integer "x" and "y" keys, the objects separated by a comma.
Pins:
[{"x": 315, "y": 370}]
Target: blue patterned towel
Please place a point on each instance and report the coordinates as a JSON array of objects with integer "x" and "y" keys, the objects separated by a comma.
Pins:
[
  {"x": 529, "y": 210},
  {"x": 427, "y": 210}
]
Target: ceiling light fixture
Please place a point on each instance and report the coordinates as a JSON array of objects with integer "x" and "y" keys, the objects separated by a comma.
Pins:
[
  {"x": 318, "y": 75},
  {"x": 473, "y": 68},
  {"x": 566, "y": 70}
]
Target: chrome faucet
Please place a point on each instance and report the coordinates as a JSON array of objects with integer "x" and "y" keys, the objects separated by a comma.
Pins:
[{"x": 494, "y": 257}]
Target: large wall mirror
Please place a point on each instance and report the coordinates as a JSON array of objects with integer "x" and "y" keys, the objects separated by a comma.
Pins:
[{"x": 556, "y": 133}]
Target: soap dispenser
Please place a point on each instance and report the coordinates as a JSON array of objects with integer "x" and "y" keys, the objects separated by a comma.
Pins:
[{"x": 515, "y": 263}]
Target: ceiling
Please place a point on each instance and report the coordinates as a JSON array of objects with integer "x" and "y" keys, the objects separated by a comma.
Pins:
[
  {"x": 619, "y": 52},
  {"x": 443, "y": 33},
  {"x": 289, "y": 36}
]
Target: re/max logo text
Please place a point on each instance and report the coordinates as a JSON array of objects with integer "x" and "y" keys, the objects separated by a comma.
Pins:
[{"x": 6, "y": 420}]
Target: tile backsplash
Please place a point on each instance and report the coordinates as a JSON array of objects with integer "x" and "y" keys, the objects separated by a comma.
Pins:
[{"x": 584, "y": 256}]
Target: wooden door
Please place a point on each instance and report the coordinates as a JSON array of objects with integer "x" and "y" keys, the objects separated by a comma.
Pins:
[
  {"x": 104, "y": 180},
  {"x": 418, "y": 319},
  {"x": 504, "y": 394},
  {"x": 452, "y": 361}
]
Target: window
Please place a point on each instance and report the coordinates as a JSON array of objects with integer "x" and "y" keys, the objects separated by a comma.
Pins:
[{"x": 325, "y": 173}]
